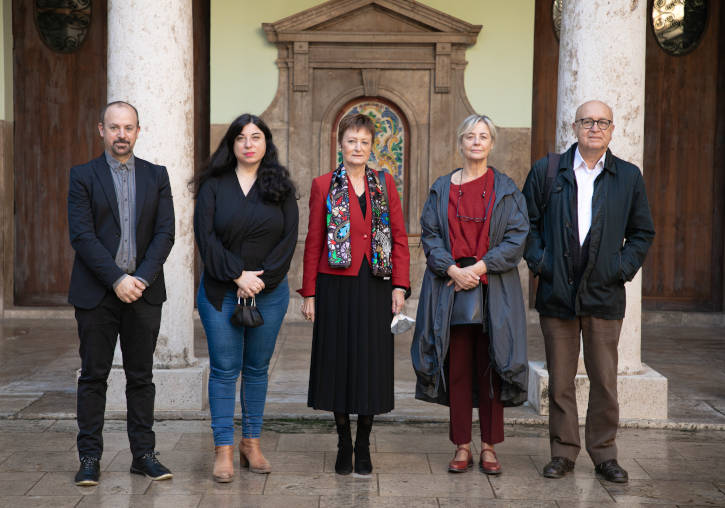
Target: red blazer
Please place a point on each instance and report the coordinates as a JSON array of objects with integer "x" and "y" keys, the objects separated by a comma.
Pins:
[{"x": 315, "y": 260}]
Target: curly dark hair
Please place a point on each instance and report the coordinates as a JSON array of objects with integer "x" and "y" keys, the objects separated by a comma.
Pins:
[{"x": 273, "y": 178}]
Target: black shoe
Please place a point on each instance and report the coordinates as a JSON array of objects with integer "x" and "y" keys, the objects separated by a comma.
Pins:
[
  {"x": 612, "y": 472},
  {"x": 89, "y": 471},
  {"x": 363, "y": 463},
  {"x": 150, "y": 466},
  {"x": 343, "y": 464},
  {"x": 558, "y": 467}
]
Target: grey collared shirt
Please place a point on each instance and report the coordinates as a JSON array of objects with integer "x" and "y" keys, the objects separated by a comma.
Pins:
[{"x": 124, "y": 182}]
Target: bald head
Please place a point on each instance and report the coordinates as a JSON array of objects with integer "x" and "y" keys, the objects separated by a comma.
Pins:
[{"x": 597, "y": 106}]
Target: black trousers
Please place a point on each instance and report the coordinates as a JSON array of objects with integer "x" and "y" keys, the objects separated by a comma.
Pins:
[{"x": 137, "y": 324}]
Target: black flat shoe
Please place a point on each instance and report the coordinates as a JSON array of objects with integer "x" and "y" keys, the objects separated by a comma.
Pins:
[
  {"x": 149, "y": 466},
  {"x": 89, "y": 472},
  {"x": 558, "y": 467},
  {"x": 611, "y": 471}
]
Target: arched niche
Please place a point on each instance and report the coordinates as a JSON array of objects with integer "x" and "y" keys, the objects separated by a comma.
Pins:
[
  {"x": 391, "y": 149},
  {"x": 400, "y": 51}
]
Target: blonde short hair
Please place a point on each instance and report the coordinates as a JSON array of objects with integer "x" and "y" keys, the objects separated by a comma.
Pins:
[{"x": 467, "y": 126}]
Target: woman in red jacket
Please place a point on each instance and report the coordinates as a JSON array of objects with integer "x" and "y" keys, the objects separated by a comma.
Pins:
[{"x": 356, "y": 276}]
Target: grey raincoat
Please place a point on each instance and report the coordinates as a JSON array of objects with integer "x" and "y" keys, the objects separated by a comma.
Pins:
[{"x": 505, "y": 311}]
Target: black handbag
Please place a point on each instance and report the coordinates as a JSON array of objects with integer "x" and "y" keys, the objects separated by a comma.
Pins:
[
  {"x": 247, "y": 315},
  {"x": 469, "y": 307}
]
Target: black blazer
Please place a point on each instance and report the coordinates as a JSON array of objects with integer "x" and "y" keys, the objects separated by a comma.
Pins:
[{"x": 95, "y": 230}]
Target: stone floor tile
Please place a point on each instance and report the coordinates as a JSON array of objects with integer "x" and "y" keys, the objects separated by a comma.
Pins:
[
  {"x": 318, "y": 484},
  {"x": 436, "y": 485},
  {"x": 388, "y": 462},
  {"x": 583, "y": 489},
  {"x": 41, "y": 461},
  {"x": 520, "y": 465},
  {"x": 26, "y": 441},
  {"x": 700, "y": 450},
  {"x": 17, "y": 483},
  {"x": 585, "y": 468},
  {"x": 61, "y": 484},
  {"x": 460, "y": 502},
  {"x": 366, "y": 499},
  {"x": 647, "y": 449},
  {"x": 39, "y": 501},
  {"x": 202, "y": 483},
  {"x": 140, "y": 501},
  {"x": 681, "y": 470},
  {"x": 419, "y": 443},
  {"x": 4, "y": 454},
  {"x": 297, "y": 462},
  {"x": 175, "y": 460},
  {"x": 524, "y": 446},
  {"x": 51, "y": 405},
  {"x": 613, "y": 504},
  {"x": 257, "y": 501},
  {"x": 24, "y": 425},
  {"x": 666, "y": 491},
  {"x": 308, "y": 442}
]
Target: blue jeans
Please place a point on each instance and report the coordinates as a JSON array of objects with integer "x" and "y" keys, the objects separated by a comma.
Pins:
[{"x": 239, "y": 349}]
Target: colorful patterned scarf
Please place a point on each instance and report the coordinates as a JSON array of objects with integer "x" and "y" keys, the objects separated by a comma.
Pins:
[{"x": 338, "y": 223}]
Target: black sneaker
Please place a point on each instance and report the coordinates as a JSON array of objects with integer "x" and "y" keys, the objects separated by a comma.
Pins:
[
  {"x": 89, "y": 472},
  {"x": 148, "y": 465}
]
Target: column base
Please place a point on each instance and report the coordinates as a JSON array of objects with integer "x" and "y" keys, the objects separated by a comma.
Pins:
[
  {"x": 641, "y": 396},
  {"x": 183, "y": 389}
]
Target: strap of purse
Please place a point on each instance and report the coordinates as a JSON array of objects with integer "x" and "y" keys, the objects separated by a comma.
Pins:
[{"x": 551, "y": 171}]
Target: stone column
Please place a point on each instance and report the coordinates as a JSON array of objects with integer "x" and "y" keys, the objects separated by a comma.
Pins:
[
  {"x": 602, "y": 56},
  {"x": 150, "y": 58}
]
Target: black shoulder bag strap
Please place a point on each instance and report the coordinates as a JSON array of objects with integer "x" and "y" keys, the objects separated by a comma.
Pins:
[{"x": 551, "y": 171}]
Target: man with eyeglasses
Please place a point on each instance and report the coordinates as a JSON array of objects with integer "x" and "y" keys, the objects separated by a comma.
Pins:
[{"x": 591, "y": 228}]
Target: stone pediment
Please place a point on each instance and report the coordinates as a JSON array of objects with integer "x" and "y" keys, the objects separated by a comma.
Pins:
[{"x": 383, "y": 20}]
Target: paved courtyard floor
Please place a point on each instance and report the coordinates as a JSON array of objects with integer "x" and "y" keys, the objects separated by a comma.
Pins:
[{"x": 677, "y": 462}]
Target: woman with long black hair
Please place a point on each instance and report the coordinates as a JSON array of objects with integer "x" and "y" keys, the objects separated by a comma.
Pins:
[{"x": 245, "y": 223}]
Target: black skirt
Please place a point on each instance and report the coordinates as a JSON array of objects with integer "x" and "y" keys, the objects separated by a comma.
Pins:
[{"x": 352, "y": 348}]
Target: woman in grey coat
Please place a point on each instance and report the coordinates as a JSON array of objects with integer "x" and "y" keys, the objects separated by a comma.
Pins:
[{"x": 474, "y": 228}]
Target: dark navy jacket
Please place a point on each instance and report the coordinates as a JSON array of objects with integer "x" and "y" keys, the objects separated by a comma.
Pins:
[
  {"x": 95, "y": 230},
  {"x": 620, "y": 235}
]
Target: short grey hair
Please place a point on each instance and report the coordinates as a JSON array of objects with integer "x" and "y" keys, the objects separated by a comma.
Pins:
[{"x": 467, "y": 126}]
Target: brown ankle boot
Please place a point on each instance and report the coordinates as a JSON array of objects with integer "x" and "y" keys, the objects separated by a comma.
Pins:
[
  {"x": 250, "y": 454},
  {"x": 223, "y": 471}
]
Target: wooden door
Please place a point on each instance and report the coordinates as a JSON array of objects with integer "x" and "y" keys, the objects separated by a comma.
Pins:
[
  {"x": 684, "y": 172},
  {"x": 57, "y": 99}
]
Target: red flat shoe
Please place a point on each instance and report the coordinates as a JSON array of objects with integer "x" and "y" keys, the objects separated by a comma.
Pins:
[
  {"x": 490, "y": 467},
  {"x": 461, "y": 466}
]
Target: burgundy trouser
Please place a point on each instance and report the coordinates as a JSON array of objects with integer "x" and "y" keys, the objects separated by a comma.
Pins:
[
  {"x": 600, "y": 338},
  {"x": 468, "y": 357}
]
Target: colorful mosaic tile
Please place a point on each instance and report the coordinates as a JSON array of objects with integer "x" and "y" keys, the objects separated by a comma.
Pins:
[{"x": 389, "y": 147}]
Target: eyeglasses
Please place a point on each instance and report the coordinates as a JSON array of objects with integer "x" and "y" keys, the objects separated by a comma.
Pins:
[
  {"x": 464, "y": 218},
  {"x": 588, "y": 123}
]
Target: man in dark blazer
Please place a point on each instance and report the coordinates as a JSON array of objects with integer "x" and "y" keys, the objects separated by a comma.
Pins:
[{"x": 121, "y": 222}]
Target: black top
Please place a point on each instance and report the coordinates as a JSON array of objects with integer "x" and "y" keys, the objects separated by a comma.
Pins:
[{"x": 235, "y": 232}]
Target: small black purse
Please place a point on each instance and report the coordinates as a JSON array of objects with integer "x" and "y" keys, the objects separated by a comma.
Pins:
[
  {"x": 468, "y": 307},
  {"x": 247, "y": 315}
]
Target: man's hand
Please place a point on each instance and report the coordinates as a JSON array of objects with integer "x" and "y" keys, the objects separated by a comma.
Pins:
[{"x": 129, "y": 289}]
